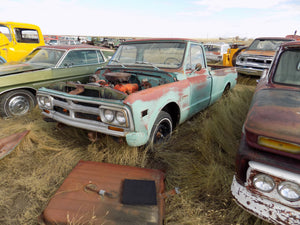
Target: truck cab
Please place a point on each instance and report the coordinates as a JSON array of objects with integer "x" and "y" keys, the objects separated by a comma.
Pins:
[{"x": 17, "y": 40}]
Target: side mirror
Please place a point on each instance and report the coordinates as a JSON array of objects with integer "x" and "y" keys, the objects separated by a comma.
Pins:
[
  {"x": 3, "y": 40},
  {"x": 198, "y": 67}
]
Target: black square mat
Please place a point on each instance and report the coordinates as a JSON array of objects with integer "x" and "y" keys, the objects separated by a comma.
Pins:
[{"x": 139, "y": 192}]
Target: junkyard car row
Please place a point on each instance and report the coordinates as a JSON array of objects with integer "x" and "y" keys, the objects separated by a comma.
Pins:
[
  {"x": 267, "y": 180},
  {"x": 150, "y": 86}
]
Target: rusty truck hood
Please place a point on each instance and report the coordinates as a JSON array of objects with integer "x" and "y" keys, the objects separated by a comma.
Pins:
[
  {"x": 275, "y": 113},
  {"x": 256, "y": 52},
  {"x": 20, "y": 68}
]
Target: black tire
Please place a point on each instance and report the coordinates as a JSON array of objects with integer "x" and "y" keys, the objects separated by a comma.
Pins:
[
  {"x": 226, "y": 90},
  {"x": 16, "y": 103},
  {"x": 161, "y": 129}
]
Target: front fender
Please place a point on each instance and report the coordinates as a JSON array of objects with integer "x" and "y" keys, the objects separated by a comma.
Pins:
[{"x": 147, "y": 104}]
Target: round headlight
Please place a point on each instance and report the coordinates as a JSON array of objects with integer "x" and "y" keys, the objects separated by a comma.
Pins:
[
  {"x": 42, "y": 100},
  {"x": 47, "y": 102},
  {"x": 263, "y": 182},
  {"x": 109, "y": 115},
  {"x": 289, "y": 191},
  {"x": 120, "y": 117}
]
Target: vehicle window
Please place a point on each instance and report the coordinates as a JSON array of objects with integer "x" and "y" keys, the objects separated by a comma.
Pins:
[
  {"x": 195, "y": 57},
  {"x": 288, "y": 68},
  {"x": 212, "y": 48},
  {"x": 91, "y": 57},
  {"x": 74, "y": 58},
  {"x": 169, "y": 55},
  {"x": 45, "y": 56},
  {"x": 266, "y": 45},
  {"x": 26, "y": 35},
  {"x": 100, "y": 57},
  {"x": 4, "y": 30},
  {"x": 82, "y": 57}
]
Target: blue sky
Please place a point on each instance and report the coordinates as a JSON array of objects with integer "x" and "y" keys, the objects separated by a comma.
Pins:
[{"x": 154, "y": 18}]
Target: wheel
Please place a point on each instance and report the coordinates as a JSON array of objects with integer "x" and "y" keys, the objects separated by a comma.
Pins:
[
  {"x": 16, "y": 103},
  {"x": 161, "y": 129},
  {"x": 175, "y": 60}
]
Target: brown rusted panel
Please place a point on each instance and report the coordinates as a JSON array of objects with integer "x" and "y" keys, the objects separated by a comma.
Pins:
[
  {"x": 255, "y": 52},
  {"x": 73, "y": 202},
  {"x": 275, "y": 113},
  {"x": 7, "y": 144}
]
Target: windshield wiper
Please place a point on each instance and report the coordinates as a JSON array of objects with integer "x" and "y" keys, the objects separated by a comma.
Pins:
[
  {"x": 147, "y": 63},
  {"x": 117, "y": 61}
]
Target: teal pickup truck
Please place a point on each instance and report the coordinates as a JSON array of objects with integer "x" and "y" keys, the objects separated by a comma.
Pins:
[{"x": 148, "y": 87}]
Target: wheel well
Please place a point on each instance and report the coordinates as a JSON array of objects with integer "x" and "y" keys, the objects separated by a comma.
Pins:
[
  {"x": 33, "y": 91},
  {"x": 174, "y": 111}
]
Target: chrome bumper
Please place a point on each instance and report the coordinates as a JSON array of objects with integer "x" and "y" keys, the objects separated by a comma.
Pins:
[
  {"x": 249, "y": 71},
  {"x": 263, "y": 208}
]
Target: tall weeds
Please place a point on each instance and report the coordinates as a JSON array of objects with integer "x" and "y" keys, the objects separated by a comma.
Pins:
[{"x": 199, "y": 159}]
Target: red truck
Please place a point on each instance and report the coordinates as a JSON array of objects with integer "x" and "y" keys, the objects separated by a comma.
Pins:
[{"x": 267, "y": 178}]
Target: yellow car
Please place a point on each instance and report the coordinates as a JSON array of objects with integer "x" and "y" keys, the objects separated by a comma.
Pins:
[{"x": 17, "y": 40}]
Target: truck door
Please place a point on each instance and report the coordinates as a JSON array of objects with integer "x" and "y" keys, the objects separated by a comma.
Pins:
[
  {"x": 5, "y": 40},
  {"x": 200, "y": 80},
  {"x": 26, "y": 39}
]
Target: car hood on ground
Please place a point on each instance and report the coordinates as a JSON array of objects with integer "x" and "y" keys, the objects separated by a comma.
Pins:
[
  {"x": 257, "y": 52},
  {"x": 20, "y": 68},
  {"x": 275, "y": 113}
]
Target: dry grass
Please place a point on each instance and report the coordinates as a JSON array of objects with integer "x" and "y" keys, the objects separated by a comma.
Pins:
[{"x": 199, "y": 159}]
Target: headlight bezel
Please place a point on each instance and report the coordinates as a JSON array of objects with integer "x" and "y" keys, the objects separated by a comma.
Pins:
[
  {"x": 114, "y": 120},
  {"x": 45, "y": 101},
  {"x": 266, "y": 179},
  {"x": 295, "y": 186}
]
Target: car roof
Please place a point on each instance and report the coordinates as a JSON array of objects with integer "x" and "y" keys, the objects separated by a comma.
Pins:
[
  {"x": 160, "y": 40},
  {"x": 291, "y": 44},
  {"x": 274, "y": 38},
  {"x": 70, "y": 47}
]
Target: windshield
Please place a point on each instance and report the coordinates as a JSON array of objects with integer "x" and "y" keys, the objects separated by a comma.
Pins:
[
  {"x": 169, "y": 55},
  {"x": 212, "y": 48},
  {"x": 288, "y": 69},
  {"x": 266, "y": 45},
  {"x": 48, "y": 56}
]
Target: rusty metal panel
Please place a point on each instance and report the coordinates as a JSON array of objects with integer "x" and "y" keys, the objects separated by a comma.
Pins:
[
  {"x": 78, "y": 199},
  {"x": 9, "y": 143}
]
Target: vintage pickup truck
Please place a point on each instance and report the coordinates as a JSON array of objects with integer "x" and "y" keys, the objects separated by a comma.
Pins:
[
  {"x": 148, "y": 87},
  {"x": 259, "y": 55},
  {"x": 17, "y": 40},
  {"x": 267, "y": 178}
]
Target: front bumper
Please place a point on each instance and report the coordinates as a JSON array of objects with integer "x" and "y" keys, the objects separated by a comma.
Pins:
[
  {"x": 249, "y": 71},
  {"x": 263, "y": 208}
]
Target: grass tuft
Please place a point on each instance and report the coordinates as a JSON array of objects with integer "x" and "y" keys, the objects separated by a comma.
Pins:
[{"x": 199, "y": 159}]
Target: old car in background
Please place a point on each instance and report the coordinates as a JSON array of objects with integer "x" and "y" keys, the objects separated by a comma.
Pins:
[
  {"x": 18, "y": 39},
  {"x": 148, "y": 87},
  {"x": 267, "y": 178},
  {"x": 229, "y": 58},
  {"x": 43, "y": 66},
  {"x": 259, "y": 55},
  {"x": 214, "y": 51}
]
